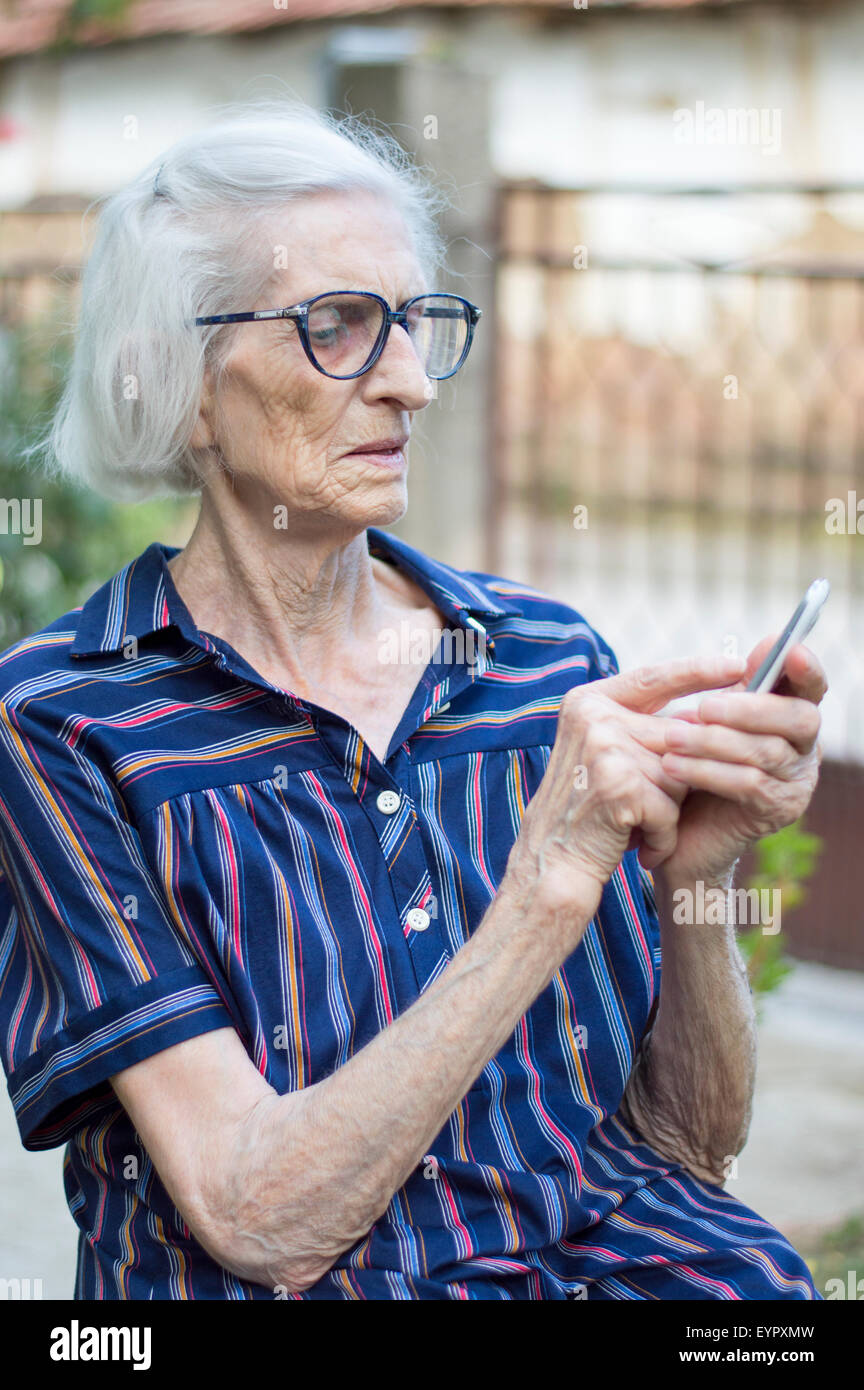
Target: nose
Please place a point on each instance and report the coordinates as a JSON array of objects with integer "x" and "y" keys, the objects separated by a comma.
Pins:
[{"x": 399, "y": 372}]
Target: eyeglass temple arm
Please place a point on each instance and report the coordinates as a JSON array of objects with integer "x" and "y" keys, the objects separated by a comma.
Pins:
[{"x": 250, "y": 317}]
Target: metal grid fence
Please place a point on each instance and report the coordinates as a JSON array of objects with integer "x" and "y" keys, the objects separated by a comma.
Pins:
[{"x": 678, "y": 449}]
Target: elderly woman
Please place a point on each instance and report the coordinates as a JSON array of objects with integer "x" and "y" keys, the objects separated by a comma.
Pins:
[{"x": 339, "y": 974}]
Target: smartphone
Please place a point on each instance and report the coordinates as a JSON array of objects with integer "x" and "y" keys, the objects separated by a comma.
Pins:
[{"x": 767, "y": 676}]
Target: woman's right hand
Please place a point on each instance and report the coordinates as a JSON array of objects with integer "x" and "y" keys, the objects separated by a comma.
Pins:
[{"x": 604, "y": 790}]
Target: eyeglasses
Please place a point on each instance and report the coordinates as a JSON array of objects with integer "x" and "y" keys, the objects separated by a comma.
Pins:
[{"x": 343, "y": 334}]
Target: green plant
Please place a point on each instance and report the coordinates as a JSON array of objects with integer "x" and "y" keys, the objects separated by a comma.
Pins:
[
  {"x": 109, "y": 14},
  {"x": 832, "y": 1254},
  {"x": 784, "y": 862},
  {"x": 82, "y": 539},
  {"x": 82, "y": 10}
]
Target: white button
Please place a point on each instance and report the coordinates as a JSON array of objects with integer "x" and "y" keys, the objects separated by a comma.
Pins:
[
  {"x": 417, "y": 919},
  {"x": 388, "y": 802}
]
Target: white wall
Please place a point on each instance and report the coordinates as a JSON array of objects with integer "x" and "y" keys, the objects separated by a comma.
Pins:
[{"x": 590, "y": 97}]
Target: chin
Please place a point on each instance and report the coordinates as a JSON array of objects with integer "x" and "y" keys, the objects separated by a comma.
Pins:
[
  {"x": 380, "y": 506},
  {"x": 386, "y": 513}
]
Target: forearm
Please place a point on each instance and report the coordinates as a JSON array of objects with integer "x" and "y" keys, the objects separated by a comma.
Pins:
[
  {"x": 690, "y": 1092},
  {"x": 313, "y": 1170}
]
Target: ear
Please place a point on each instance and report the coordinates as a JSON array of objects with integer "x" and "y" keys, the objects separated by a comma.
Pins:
[{"x": 202, "y": 436}]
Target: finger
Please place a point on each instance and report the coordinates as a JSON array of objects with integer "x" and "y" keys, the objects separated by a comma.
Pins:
[
  {"x": 659, "y": 828},
  {"x": 651, "y": 764},
  {"x": 730, "y": 781},
  {"x": 757, "y": 656},
  {"x": 690, "y": 716},
  {"x": 803, "y": 675},
  {"x": 649, "y": 730},
  {"x": 798, "y": 721},
  {"x": 648, "y": 858},
  {"x": 648, "y": 688},
  {"x": 649, "y": 733},
  {"x": 639, "y": 736},
  {"x": 769, "y": 752},
  {"x": 772, "y": 801}
]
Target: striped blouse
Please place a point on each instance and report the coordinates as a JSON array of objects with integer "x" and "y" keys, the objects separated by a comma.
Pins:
[{"x": 185, "y": 846}]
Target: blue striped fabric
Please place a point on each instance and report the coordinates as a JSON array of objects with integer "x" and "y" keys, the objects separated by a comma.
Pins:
[{"x": 186, "y": 846}]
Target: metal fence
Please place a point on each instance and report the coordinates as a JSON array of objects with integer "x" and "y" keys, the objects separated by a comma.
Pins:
[
  {"x": 41, "y": 251},
  {"x": 682, "y": 444},
  {"x": 678, "y": 444}
]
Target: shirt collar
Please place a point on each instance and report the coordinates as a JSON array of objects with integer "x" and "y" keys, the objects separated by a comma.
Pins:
[{"x": 142, "y": 598}]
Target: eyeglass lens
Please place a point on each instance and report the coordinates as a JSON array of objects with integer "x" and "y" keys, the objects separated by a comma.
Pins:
[{"x": 345, "y": 330}]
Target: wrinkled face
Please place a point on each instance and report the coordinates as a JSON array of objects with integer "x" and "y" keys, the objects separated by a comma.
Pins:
[{"x": 285, "y": 431}]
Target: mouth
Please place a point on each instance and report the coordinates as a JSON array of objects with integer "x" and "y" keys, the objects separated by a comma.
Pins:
[{"x": 386, "y": 451}]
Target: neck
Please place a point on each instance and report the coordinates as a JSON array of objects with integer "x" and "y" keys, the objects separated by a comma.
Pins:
[{"x": 293, "y": 600}]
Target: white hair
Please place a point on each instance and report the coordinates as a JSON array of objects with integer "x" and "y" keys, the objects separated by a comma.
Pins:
[{"x": 190, "y": 247}]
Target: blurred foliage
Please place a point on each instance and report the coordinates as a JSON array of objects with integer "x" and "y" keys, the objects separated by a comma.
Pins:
[
  {"x": 832, "y": 1254},
  {"x": 85, "y": 538},
  {"x": 109, "y": 13},
  {"x": 81, "y": 10},
  {"x": 784, "y": 862},
  {"x": 767, "y": 963}
]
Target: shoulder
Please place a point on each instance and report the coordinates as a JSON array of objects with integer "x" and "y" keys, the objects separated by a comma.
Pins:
[
  {"x": 68, "y": 663},
  {"x": 35, "y": 665},
  {"x": 537, "y": 617},
  {"x": 43, "y": 704},
  {"x": 535, "y": 620}
]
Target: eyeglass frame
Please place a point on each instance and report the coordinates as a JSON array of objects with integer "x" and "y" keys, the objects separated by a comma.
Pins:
[{"x": 299, "y": 313}]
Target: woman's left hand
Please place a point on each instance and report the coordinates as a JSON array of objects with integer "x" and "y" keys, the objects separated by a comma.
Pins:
[{"x": 750, "y": 763}]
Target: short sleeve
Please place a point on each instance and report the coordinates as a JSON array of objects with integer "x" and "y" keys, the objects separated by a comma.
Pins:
[{"x": 96, "y": 971}]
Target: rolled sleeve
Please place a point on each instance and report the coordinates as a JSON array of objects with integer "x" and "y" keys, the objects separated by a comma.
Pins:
[{"x": 96, "y": 970}]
